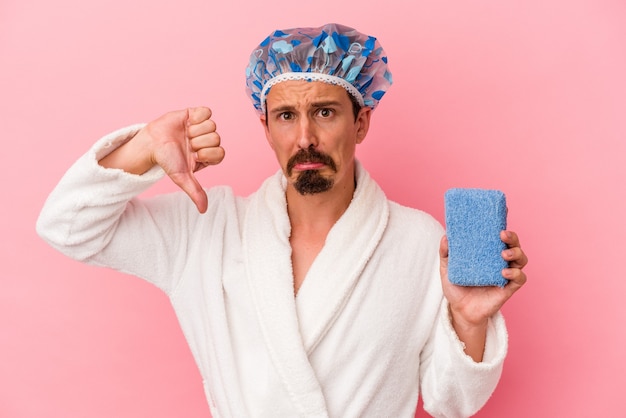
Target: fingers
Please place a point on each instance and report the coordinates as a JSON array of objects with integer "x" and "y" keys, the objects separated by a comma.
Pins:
[
  {"x": 517, "y": 260},
  {"x": 207, "y": 140},
  {"x": 209, "y": 156},
  {"x": 196, "y": 115},
  {"x": 183, "y": 142},
  {"x": 443, "y": 260},
  {"x": 510, "y": 238},
  {"x": 200, "y": 128},
  {"x": 514, "y": 253},
  {"x": 515, "y": 257},
  {"x": 516, "y": 278},
  {"x": 203, "y": 138},
  {"x": 207, "y": 149},
  {"x": 443, "y": 247}
]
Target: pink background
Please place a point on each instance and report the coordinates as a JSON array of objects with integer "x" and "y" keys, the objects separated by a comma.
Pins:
[{"x": 525, "y": 96}]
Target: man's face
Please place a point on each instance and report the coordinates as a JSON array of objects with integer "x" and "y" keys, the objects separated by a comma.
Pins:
[{"x": 312, "y": 129}]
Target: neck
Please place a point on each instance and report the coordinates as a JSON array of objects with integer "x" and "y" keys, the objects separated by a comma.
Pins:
[
  {"x": 311, "y": 218},
  {"x": 319, "y": 211}
]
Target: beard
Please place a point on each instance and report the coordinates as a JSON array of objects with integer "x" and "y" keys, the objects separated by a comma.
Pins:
[{"x": 311, "y": 181}]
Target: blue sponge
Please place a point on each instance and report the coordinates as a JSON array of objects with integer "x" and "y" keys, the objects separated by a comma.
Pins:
[{"x": 474, "y": 219}]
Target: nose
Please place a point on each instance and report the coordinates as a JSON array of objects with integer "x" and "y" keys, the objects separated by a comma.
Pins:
[{"x": 307, "y": 136}]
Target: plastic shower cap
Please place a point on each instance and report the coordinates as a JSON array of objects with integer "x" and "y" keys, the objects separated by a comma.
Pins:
[{"x": 332, "y": 53}]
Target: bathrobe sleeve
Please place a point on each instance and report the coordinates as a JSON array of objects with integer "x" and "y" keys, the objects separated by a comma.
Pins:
[
  {"x": 93, "y": 216},
  {"x": 452, "y": 384}
]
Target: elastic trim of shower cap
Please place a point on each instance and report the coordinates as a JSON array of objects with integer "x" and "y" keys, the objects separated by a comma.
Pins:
[{"x": 326, "y": 78}]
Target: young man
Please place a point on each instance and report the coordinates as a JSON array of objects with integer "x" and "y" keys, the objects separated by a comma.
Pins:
[{"x": 315, "y": 296}]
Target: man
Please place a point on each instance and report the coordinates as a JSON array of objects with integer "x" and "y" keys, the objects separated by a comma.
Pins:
[{"x": 315, "y": 296}]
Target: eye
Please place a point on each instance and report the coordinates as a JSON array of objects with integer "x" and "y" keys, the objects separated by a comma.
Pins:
[
  {"x": 285, "y": 116},
  {"x": 325, "y": 112}
]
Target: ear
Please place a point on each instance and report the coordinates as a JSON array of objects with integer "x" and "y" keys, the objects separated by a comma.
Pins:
[
  {"x": 363, "y": 123},
  {"x": 266, "y": 128}
]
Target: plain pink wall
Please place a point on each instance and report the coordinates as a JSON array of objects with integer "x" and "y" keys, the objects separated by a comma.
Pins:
[{"x": 525, "y": 96}]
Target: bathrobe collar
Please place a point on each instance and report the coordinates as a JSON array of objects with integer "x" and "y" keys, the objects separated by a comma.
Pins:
[{"x": 292, "y": 327}]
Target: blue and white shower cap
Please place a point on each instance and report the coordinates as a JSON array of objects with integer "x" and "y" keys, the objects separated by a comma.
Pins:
[{"x": 332, "y": 53}]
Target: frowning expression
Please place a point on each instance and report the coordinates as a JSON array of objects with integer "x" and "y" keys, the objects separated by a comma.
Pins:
[{"x": 313, "y": 131}]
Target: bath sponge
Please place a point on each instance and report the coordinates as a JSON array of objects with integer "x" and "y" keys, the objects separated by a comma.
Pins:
[{"x": 474, "y": 219}]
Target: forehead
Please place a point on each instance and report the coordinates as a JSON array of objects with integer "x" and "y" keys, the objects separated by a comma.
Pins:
[{"x": 301, "y": 93}]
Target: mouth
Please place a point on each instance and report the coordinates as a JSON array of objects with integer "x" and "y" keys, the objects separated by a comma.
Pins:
[
  {"x": 308, "y": 166},
  {"x": 310, "y": 159}
]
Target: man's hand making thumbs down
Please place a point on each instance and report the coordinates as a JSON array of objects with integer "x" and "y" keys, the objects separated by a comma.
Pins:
[{"x": 180, "y": 142}]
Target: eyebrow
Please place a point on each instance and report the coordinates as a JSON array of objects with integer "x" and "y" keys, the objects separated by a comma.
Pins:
[
  {"x": 317, "y": 105},
  {"x": 281, "y": 109},
  {"x": 328, "y": 103}
]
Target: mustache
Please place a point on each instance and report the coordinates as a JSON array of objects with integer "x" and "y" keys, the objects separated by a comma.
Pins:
[{"x": 310, "y": 155}]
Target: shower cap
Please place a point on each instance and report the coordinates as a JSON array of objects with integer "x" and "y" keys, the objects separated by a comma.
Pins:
[{"x": 332, "y": 53}]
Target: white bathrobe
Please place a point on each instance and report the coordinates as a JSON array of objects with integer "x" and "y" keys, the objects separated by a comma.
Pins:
[{"x": 367, "y": 331}]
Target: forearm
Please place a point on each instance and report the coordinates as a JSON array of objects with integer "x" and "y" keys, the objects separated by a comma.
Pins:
[
  {"x": 452, "y": 383},
  {"x": 88, "y": 200},
  {"x": 473, "y": 336},
  {"x": 132, "y": 157}
]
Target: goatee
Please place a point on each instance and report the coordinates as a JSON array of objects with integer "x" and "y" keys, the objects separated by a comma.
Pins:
[{"x": 311, "y": 181}]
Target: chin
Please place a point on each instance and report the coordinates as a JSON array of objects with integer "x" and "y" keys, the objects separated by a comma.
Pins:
[{"x": 311, "y": 182}]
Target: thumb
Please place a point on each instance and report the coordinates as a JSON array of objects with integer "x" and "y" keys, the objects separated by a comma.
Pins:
[
  {"x": 189, "y": 184},
  {"x": 443, "y": 255}
]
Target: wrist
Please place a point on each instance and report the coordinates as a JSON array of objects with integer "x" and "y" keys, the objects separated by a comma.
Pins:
[
  {"x": 133, "y": 156},
  {"x": 471, "y": 333},
  {"x": 461, "y": 322}
]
